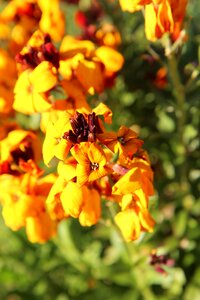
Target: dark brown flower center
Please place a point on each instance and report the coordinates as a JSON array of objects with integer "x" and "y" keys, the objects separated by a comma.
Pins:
[
  {"x": 121, "y": 140},
  {"x": 94, "y": 166},
  {"x": 23, "y": 154},
  {"x": 83, "y": 130}
]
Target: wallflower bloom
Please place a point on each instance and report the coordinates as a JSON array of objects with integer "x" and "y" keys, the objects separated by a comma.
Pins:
[
  {"x": 91, "y": 162},
  {"x": 52, "y": 19},
  {"x": 166, "y": 16},
  {"x": 107, "y": 35},
  {"x": 81, "y": 202},
  {"x": 133, "y": 221},
  {"x": 124, "y": 141},
  {"x": 32, "y": 89},
  {"x": 54, "y": 144},
  {"x": 136, "y": 181},
  {"x": 161, "y": 16},
  {"x": 20, "y": 150},
  {"x": 23, "y": 200},
  {"x": 81, "y": 58}
]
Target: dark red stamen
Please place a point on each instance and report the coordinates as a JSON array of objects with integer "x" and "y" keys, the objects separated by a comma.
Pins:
[
  {"x": 46, "y": 52},
  {"x": 83, "y": 130}
]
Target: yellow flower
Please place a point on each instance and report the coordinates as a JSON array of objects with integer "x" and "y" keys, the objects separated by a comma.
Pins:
[
  {"x": 81, "y": 202},
  {"x": 91, "y": 162},
  {"x": 52, "y": 20},
  {"x": 133, "y": 221},
  {"x": 165, "y": 16},
  {"x": 137, "y": 181},
  {"x": 32, "y": 87},
  {"x": 107, "y": 35},
  {"x": 23, "y": 200},
  {"x": 89, "y": 65},
  {"x": 66, "y": 173},
  {"x": 41, "y": 228},
  {"x": 21, "y": 150},
  {"x": 54, "y": 144},
  {"x": 112, "y": 60}
]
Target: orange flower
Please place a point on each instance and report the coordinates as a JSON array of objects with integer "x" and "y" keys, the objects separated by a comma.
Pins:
[
  {"x": 137, "y": 181},
  {"x": 52, "y": 20},
  {"x": 23, "y": 200},
  {"x": 161, "y": 16},
  {"x": 40, "y": 229},
  {"x": 81, "y": 202},
  {"x": 166, "y": 16},
  {"x": 17, "y": 204},
  {"x": 54, "y": 144},
  {"x": 91, "y": 162},
  {"x": 133, "y": 221},
  {"x": 107, "y": 35},
  {"x": 32, "y": 87},
  {"x": 81, "y": 58},
  {"x": 125, "y": 141},
  {"x": 66, "y": 172},
  {"x": 20, "y": 151}
]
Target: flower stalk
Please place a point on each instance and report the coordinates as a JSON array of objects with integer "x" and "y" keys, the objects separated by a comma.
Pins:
[{"x": 178, "y": 91}]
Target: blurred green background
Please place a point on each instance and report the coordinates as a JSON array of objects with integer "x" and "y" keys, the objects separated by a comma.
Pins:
[{"x": 94, "y": 263}]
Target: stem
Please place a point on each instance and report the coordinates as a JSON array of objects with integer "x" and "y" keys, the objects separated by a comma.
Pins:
[
  {"x": 179, "y": 95},
  {"x": 136, "y": 273}
]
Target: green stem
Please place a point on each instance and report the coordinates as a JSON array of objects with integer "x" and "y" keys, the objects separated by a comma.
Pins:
[
  {"x": 136, "y": 273},
  {"x": 179, "y": 95}
]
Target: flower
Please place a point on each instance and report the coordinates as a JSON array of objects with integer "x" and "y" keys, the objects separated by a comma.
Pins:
[
  {"x": 161, "y": 16},
  {"x": 23, "y": 200},
  {"x": 52, "y": 19},
  {"x": 81, "y": 202},
  {"x": 81, "y": 59},
  {"x": 32, "y": 89},
  {"x": 91, "y": 162},
  {"x": 54, "y": 144},
  {"x": 136, "y": 181},
  {"x": 20, "y": 151},
  {"x": 125, "y": 141},
  {"x": 166, "y": 16},
  {"x": 134, "y": 220}
]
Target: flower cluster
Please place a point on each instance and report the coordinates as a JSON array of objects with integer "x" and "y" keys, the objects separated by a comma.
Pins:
[
  {"x": 51, "y": 84},
  {"x": 161, "y": 16},
  {"x": 95, "y": 163}
]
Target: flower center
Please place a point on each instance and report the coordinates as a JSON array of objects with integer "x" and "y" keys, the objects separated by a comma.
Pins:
[
  {"x": 94, "y": 166},
  {"x": 35, "y": 55},
  {"x": 121, "y": 140},
  {"x": 84, "y": 128}
]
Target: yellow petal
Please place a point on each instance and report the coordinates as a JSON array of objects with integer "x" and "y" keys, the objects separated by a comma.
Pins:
[
  {"x": 111, "y": 58},
  {"x": 43, "y": 77},
  {"x": 40, "y": 229},
  {"x": 91, "y": 209},
  {"x": 128, "y": 222},
  {"x": 102, "y": 109},
  {"x": 90, "y": 75},
  {"x": 72, "y": 199},
  {"x": 150, "y": 23}
]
